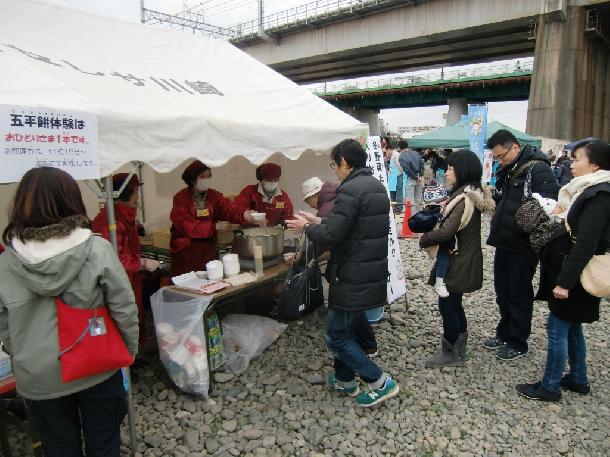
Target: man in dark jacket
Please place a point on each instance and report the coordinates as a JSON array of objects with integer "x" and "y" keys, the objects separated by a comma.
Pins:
[
  {"x": 357, "y": 231},
  {"x": 412, "y": 164},
  {"x": 514, "y": 262}
]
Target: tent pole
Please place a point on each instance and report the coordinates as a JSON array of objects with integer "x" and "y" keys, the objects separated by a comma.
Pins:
[{"x": 112, "y": 229}]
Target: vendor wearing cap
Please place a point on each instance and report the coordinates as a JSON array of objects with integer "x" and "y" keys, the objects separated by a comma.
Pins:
[
  {"x": 128, "y": 241},
  {"x": 319, "y": 195},
  {"x": 195, "y": 219},
  {"x": 266, "y": 196}
]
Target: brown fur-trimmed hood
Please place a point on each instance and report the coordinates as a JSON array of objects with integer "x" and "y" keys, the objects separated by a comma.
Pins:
[
  {"x": 60, "y": 230},
  {"x": 482, "y": 200}
]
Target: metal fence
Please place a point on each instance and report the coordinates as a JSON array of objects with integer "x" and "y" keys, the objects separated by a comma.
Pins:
[
  {"x": 312, "y": 13},
  {"x": 436, "y": 76}
]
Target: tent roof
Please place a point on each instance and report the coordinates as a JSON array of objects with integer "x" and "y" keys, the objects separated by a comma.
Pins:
[
  {"x": 150, "y": 89},
  {"x": 456, "y": 136}
]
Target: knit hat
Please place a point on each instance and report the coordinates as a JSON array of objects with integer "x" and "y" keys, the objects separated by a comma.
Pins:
[
  {"x": 434, "y": 192},
  {"x": 119, "y": 179},
  {"x": 192, "y": 171},
  {"x": 268, "y": 172}
]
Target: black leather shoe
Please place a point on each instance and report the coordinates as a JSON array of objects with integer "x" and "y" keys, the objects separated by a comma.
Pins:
[
  {"x": 568, "y": 384},
  {"x": 537, "y": 392}
]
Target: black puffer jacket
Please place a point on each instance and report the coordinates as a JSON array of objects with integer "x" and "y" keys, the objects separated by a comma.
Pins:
[
  {"x": 504, "y": 231},
  {"x": 357, "y": 231}
]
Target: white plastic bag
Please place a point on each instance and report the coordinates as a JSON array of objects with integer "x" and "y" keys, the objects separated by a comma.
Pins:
[
  {"x": 246, "y": 337},
  {"x": 181, "y": 339}
]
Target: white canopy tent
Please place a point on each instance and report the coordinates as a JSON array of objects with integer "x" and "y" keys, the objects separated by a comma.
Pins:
[{"x": 161, "y": 97}]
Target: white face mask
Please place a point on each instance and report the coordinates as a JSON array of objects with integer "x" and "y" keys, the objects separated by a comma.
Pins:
[
  {"x": 270, "y": 186},
  {"x": 203, "y": 184}
]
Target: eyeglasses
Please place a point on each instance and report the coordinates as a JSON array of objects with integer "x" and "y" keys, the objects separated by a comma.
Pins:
[
  {"x": 333, "y": 165},
  {"x": 500, "y": 157}
]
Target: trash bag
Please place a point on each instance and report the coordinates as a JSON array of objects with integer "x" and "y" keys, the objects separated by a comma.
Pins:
[
  {"x": 246, "y": 337},
  {"x": 181, "y": 339}
]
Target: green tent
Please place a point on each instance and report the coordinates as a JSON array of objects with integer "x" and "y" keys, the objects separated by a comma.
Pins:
[{"x": 456, "y": 136}]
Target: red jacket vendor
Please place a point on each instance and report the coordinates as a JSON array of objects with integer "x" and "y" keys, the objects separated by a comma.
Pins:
[
  {"x": 195, "y": 216},
  {"x": 125, "y": 210},
  {"x": 266, "y": 196}
]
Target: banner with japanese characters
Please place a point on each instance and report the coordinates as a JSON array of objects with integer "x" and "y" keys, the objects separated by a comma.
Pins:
[
  {"x": 396, "y": 281},
  {"x": 33, "y": 137},
  {"x": 488, "y": 160},
  {"x": 477, "y": 129}
]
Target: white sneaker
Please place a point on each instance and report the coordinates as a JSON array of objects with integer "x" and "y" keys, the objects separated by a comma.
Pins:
[{"x": 440, "y": 288}]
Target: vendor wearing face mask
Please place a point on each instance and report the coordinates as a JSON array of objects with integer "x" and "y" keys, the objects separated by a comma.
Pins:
[
  {"x": 128, "y": 241},
  {"x": 195, "y": 219},
  {"x": 266, "y": 196}
]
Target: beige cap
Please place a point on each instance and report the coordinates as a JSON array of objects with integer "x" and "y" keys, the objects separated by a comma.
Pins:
[{"x": 311, "y": 187}]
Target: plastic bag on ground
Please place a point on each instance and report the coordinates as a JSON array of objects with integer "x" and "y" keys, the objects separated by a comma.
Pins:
[
  {"x": 246, "y": 337},
  {"x": 181, "y": 339}
]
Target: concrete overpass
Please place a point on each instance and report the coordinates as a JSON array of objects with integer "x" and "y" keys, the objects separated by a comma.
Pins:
[
  {"x": 570, "y": 89},
  {"x": 482, "y": 84}
]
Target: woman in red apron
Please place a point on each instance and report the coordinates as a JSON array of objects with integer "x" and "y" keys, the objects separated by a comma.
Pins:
[
  {"x": 266, "y": 196},
  {"x": 196, "y": 211},
  {"x": 125, "y": 211}
]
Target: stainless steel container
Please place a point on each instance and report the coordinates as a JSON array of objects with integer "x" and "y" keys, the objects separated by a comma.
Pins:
[{"x": 270, "y": 239}]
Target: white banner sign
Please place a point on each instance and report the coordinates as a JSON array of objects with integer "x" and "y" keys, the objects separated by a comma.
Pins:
[
  {"x": 43, "y": 137},
  {"x": 396, "y": 282},
  {"x": 488, "y": 160}
]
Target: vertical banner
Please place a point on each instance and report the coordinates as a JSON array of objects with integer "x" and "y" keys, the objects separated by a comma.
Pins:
[
  {"x": 488, "y": 160},
  {"x": 477, "y": 129},
  {"x": 32, "y": 137},
  {"x": 396, "y": 281}
]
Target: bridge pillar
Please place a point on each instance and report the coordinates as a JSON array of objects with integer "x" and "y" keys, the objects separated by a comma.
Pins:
[
  {"x": 457, "y": 107},
  {"x": 367, "y": 115},
  {"x": 570, "y": 88}
]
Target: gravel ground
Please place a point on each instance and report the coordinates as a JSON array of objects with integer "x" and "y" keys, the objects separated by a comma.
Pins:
[{"x": 280, "y": 407}]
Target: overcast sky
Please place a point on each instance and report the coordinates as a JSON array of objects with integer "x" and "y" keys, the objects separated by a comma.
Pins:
[{"x": 229, "y": 12}]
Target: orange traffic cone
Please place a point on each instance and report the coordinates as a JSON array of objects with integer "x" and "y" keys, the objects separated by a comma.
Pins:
[{"x": 405, "y": 231}]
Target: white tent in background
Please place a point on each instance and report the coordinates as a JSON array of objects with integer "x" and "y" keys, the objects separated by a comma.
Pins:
[{"x": 161, "y": 97}]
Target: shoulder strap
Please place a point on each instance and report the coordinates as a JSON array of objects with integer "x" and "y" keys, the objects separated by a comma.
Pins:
[{"x": 522, "y": 169}]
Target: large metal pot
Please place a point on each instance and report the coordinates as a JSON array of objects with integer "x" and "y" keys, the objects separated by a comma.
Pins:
[{"x": 271, "y": 239}]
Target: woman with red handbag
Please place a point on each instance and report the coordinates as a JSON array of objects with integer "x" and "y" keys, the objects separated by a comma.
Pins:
[{"x": 67, "y": 316}]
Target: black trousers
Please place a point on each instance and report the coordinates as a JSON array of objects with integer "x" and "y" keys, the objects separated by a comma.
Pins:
[
  {"x": 513, "y": 276},
  {"x": 98, "y": 411},
  {"x": 454, "y": 318}
]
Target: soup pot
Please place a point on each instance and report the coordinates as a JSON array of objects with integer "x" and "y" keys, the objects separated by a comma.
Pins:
[{"x": 270, "y": 239}]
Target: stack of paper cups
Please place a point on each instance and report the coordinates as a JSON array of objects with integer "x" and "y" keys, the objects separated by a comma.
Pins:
[
  {"x": 230, "y": 262},
  {"x": 215, "y": 270}
]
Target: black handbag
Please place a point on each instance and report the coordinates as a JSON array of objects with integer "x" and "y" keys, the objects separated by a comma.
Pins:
[{"x": 302, "y": 288}]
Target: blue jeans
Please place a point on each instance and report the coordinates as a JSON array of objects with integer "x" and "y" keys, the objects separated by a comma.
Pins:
[
  {"x": 442, "y": 262},
  {"x": 565, "y": 342},
  {"x": 454, "y": 318},
  {"x": 342, "y": 341}
]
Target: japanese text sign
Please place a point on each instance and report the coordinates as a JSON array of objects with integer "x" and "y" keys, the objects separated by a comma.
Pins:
[
  {"x": 32, "y": 137},
  {"x": 396, "y": 281}
]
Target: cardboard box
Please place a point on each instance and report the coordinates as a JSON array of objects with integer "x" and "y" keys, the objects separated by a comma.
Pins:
[{"x": 161, "y": 239}]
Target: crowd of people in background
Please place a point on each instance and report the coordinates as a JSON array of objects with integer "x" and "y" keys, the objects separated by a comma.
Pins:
[{"x": 52, "y": 252}]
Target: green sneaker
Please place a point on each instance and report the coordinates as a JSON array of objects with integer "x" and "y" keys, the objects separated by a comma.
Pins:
[
  {"x": 333, "y": 383},
  {"x": 370, "y": 398}
]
